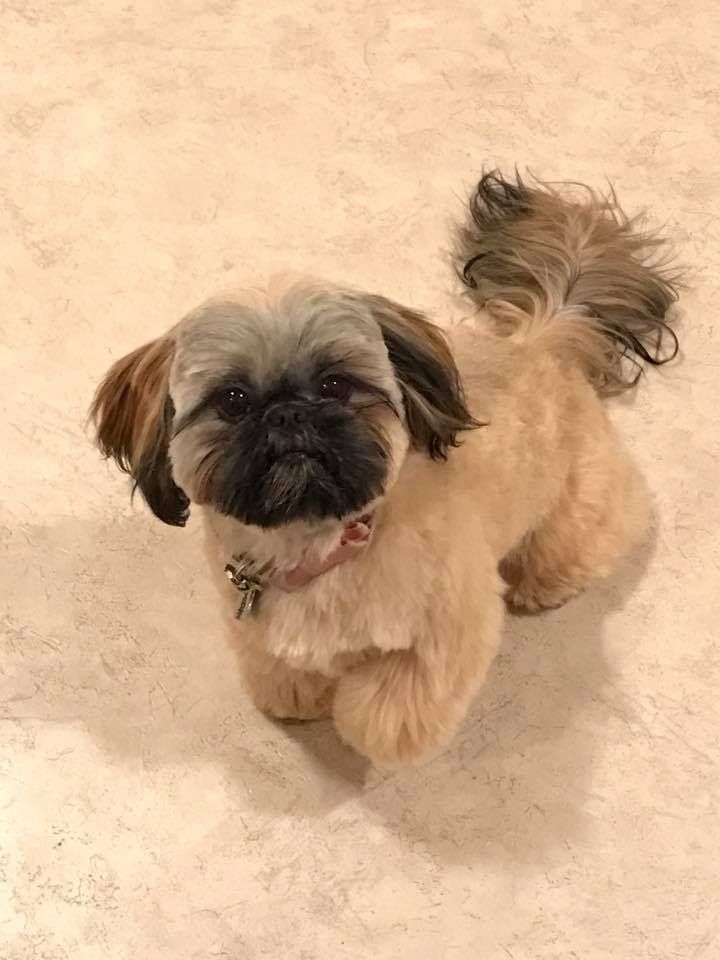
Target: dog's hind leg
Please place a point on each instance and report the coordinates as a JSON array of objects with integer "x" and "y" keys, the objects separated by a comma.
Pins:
[{"x": 601, "y": 514}]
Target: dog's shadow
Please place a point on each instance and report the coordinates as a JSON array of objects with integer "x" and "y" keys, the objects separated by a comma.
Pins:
[
  {"x": 119, "y": 637},
  {"x": 513, "y": 783}
]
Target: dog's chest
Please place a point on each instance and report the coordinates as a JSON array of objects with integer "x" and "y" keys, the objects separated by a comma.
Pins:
[
  {"x": 333, "y": 620},
  {"x": 377, "y": 601}
]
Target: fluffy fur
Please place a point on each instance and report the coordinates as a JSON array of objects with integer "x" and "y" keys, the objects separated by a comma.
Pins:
[{"x": 284, "y": 414}]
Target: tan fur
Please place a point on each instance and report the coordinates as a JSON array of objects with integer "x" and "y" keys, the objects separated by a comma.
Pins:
[
  {"x": 565, "y": 266},
  {"x": 397, "y": 641},
  {"x": 132, "y": 413},
  {"x": 408, "y": 630},
  {"x": 128, "y": 409}
]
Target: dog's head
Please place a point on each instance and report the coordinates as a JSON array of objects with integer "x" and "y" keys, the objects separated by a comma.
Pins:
[{"x": 297, "y": 404}]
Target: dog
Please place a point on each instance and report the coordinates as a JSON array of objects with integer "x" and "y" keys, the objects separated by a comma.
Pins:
[{"x": 376, "y": 489}]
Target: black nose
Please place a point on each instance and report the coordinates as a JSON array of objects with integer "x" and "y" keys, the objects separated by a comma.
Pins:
[{"x": 286, "y": 416}]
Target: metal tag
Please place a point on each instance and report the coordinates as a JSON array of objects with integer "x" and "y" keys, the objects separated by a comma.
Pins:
[{"x": 243, "y": 576}]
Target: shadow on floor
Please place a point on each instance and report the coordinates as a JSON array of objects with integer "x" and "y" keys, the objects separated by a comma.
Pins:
[{"x": 115, "y": 629}]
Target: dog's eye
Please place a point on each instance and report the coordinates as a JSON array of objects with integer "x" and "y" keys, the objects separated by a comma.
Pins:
[
  {"x": 232, "y": 402},
  {"x": 335, "y": 388}
]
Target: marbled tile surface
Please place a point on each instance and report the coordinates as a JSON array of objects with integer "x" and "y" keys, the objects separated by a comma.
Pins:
[{"x": 154, "y": 152}]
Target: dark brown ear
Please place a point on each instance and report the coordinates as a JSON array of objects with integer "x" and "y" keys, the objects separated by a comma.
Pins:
[
  {"x": 132, "y": 412},
  {"x": 428, "y": 377}
]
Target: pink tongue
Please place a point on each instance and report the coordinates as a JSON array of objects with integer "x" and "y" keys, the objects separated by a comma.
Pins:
[{"x": 354, "y": 537}]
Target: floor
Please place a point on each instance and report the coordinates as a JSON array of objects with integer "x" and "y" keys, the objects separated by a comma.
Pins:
[{"x": 153, "y": 153}]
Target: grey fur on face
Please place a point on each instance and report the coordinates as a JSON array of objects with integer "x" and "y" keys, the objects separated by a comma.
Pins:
[
  {"x": 293, "y": 452},
  {"x": 298, "y": 403},
  {"x": 306, "y": 329}
]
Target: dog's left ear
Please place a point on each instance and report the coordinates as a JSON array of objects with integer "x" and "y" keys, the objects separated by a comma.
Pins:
[
  {"x": 427, "y": 375},
  {"x": 132, "y": 412}
]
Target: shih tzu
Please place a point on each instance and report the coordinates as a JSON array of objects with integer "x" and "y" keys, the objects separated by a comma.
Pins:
[{"x": 375, "y": 489}]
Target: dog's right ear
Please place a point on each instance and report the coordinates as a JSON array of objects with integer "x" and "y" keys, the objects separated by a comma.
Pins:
[{"x": 132, "y": 412}]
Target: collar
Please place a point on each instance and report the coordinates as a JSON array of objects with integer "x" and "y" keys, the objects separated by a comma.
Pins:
[{"x": 251, "y": 579}]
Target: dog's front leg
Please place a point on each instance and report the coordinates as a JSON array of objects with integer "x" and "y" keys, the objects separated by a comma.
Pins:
[
  {"x": 405, "y": 705},
  {"x": 284, "y": 692}
]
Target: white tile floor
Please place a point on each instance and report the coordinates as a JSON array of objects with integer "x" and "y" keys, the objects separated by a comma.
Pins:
[{"x": 154, "y": 152}]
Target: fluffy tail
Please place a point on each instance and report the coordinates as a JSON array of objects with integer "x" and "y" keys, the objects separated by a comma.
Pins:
[{"x": 572, "y": 271}]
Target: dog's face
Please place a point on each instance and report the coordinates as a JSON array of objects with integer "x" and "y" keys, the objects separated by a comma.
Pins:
[
  {"x": 297, "y": 404},
  {"x": 284, "y": 410}
]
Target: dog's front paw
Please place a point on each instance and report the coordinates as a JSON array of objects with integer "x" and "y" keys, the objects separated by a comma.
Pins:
[
  {"x": 384, "y": 710},
  {"x": 287, "y": 694}
]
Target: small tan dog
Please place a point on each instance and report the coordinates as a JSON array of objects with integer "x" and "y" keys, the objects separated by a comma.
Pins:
[{"x": 365, "y": 480}]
